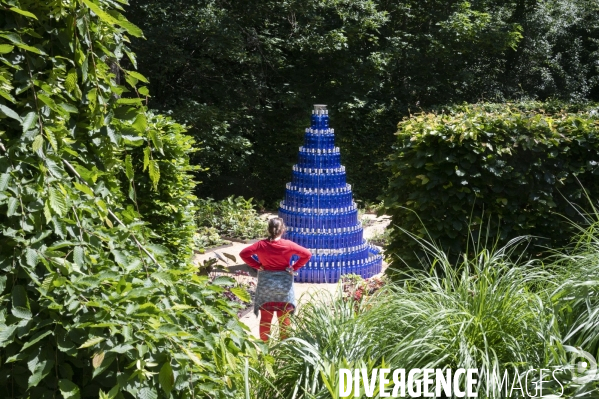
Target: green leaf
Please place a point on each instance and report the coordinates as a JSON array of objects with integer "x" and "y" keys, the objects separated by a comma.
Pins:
[
  {"x": 68, "y": 389},
  {"x": 241, "y": 294},
  {"x": 71, "y": 85},
  {"x": 6, "y": 48},
  {"x": 231, "y": 257},
  {"x": 79, "y": 256},
  {"x": 13, "y": 203},
  {"x": 147, "y": 151},
  {"x": 223, "y": 280},
  {"x": 147, "y": 393},
  {"x": 9, "y": 112},
  {"x": 31, "y": 49},
  {"x": 7, "y": 334},
  {"x": 20, "y": 303},
  {"x": 129, "y": 26},
  {"x": 2, "y": 284},
  {"x": 40, "y": 370},
  {"x": 140, "y": 124},
  {"x": 154, "y": 170},
  {"x": 112, "y": 394},
  {"x": 48, "y": 101},
  {"x": 129, "y": 167},
  {"x": 23, "y": 12},
  {"x": 144, "y": 91},
  {"x": 68, "y": 108},
  {"x": 166, "y": 378},
  {"x": 37, "y": 338},
  {"x": 156, "y": 140},
  {"x": 101, "y": 362},
  {"x": 138, "y": 76},
  {"x": 129, "y": 101},
  {"x": 91, "y": 342},
  {"x": 58, "y": 202},
  {"x": 21, "y": 312},
  {"x": 31, "y": 256},
  {"x": 213, "y": 313},
  {"x": 29, "y": 121},
  {"x": 4, "y": 180},
  {"x": 83, "y": 188},
  {"x": 38, "y": 143}
]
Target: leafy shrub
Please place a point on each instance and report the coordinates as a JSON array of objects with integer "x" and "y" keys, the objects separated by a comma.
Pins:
[
  {"x": 91, "y": 304},
  {"x": 382, "y": 238},
  {"x": 514, "y": 167},
  {"x": 232, "y": 217},
  {"x": 167, "y": 203},
  {"x": 207, "y": 237}
]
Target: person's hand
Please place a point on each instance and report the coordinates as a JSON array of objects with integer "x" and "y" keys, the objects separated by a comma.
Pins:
[
  {"x": 261, "y": 268},
  {"x": 290, "y": 270}
]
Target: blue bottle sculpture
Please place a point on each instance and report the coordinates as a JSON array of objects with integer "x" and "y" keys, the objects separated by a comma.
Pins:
[{"x": 320, "y": 213}]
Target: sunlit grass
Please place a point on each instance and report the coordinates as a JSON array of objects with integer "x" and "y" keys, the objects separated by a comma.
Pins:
[{"x": 489, "y": 311}]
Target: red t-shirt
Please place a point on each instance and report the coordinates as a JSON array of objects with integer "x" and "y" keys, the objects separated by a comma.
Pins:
[{"x": 275, "y": 255}]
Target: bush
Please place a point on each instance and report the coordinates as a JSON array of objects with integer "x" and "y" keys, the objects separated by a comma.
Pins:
[
  {"x": 328, "y": 334},
  {"x": 91, "y": 304},
  {"x": 513, "y": 167},
  {"x": 231, "y": 217}
]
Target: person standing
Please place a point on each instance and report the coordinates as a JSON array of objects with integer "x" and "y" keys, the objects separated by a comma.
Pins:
[{"x": 276, "y": 260}]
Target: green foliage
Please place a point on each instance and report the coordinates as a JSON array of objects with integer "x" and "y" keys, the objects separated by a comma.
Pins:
[
  {"x": 231, "y": 217},
  {"x": 164, "y": 195},
  {"x": 509, "y": 170},
  {"x": 244, "y": 74},
  {"x": 328, "y": 334},
  {"x": 577, "y": 296},
  {"x": 206, "y": 237},
  {"x": 92, "y": 305},
  {"x": 483, "y": 312}
]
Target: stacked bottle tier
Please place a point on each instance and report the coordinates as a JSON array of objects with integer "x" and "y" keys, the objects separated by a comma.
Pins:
[
  {"x": 335, "y": 198},
  {"x": 324, "y": 139},
  {"x": 324, "y": 272},
  {"x": 337, "y": 240},
  {"x": 315, "y": 178},
  {"x": 308, "y": 218},
  {"x": 319, "y": 158}
]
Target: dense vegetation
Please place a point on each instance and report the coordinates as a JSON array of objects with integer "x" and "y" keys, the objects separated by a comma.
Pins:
[
  {"x": 99, "y": 215},
  {"x": 483, "y": 312},
  {"x": 243, "y": 74},
  {"x": 98, "y": 295},
  {"x": 481, "y": 175}
]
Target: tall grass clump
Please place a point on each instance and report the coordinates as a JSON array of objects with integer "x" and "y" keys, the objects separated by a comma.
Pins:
[
  {"x": 577, "y": 298},
  {"x": 490, "y": 311},
  {"x": 485, "y": 312},
  {"x": 328, "y": 333}
]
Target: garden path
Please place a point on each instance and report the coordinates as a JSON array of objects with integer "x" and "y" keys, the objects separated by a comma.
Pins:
[{"x": 373, "y": 225}]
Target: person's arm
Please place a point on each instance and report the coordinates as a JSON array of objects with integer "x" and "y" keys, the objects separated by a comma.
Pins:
[
  {"x": 304, "y": 256},
  {"x": 246, "y": 255}
]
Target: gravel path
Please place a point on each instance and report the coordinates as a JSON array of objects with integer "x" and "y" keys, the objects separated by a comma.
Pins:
[{"x": 303, "y": 291}]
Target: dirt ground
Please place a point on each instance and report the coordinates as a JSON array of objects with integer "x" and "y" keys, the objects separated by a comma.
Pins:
[{"x": 372, "y": 225}]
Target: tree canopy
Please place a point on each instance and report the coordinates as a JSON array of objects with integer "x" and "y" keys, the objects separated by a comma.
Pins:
[{"x": 243, "y": 75}]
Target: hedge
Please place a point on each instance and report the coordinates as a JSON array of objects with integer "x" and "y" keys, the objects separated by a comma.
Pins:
[{"x": 480, "y": 175}]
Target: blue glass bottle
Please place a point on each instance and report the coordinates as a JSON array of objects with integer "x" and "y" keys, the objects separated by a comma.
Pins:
[{"x": 324, "y": 122}]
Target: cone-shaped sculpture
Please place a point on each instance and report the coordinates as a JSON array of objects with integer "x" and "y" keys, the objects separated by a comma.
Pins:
[{"x": 320, "y": 213}]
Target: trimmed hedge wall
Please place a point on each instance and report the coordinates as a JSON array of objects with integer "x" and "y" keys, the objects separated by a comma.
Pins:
[{"x": 510, "y": 169}]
